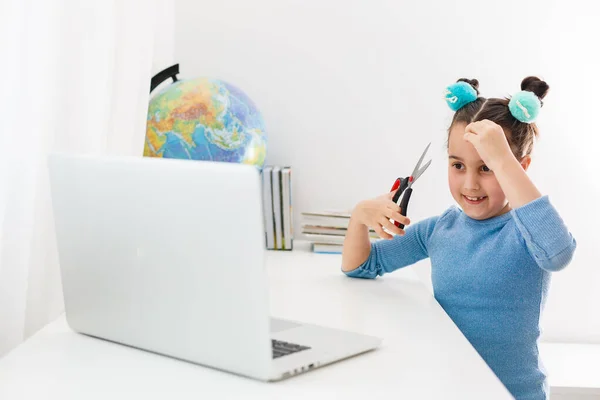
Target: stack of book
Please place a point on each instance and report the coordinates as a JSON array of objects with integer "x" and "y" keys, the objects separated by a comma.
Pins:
[
  {"x": 327, "y": 230},
  {"x": 277, "y": 207}
]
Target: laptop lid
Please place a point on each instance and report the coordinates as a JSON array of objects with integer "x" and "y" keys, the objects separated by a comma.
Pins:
[{"x": 165, "y": 255}]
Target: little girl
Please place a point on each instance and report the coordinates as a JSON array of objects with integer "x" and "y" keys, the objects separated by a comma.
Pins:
[{"x": 491, "y": 258}]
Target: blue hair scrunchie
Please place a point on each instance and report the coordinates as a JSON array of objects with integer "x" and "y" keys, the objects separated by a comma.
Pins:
[
  {"x": 525, "y": 106},
  {"x": 459, "y": 94}
]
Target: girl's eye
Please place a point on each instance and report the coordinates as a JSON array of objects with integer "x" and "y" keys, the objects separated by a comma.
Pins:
[
  {"x": 457, "y": 166},
  {"x": 485, "y": 168}
]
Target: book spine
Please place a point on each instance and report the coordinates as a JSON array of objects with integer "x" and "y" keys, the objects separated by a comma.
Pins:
[
  {"x": 330, "y": 222},
  {"x": 277, "y": 209},
  {"x": 287, "y": 208},
  {"x": 268, "y": 206},
  {"x": 327, "y": 248}
]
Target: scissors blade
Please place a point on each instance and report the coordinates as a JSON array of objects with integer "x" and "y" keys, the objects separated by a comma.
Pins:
[
  {"x": 420, "y": 161},
  {"x": 418, "y": 174}
]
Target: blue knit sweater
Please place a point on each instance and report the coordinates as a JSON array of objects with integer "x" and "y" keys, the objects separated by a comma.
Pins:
[{"x": 491, "y": 277}]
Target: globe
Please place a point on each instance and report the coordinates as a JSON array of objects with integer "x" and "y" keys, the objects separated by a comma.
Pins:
[{"x": 205, "y": 119}]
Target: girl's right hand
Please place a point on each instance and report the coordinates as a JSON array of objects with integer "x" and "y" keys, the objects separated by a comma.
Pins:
[{"x": 376, "y": 214}]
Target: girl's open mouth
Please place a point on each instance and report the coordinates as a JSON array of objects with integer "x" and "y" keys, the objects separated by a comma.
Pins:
[{"x": 474, "y": 200}]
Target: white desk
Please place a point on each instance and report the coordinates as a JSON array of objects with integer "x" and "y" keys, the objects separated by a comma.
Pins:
[{"x": 423, "y": 356}]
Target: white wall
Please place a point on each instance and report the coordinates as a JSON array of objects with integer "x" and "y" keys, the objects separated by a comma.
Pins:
[{"x": 351, "y": 92}]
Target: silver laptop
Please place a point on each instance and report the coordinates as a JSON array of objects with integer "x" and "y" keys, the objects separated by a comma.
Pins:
[{"x": 169, "y": 256}]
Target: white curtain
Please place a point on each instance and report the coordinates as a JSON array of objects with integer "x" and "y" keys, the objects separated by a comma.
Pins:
[{"x": 75, "y": 77}]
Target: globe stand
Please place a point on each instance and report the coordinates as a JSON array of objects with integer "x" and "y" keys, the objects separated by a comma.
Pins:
[{"x": 163, "y": 75}]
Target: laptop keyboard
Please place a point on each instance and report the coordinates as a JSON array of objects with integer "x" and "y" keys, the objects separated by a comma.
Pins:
[{"x": 281, "y": 348}]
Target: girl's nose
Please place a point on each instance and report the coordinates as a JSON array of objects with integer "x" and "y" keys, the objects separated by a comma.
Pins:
[{"x": 471, "y": 182}]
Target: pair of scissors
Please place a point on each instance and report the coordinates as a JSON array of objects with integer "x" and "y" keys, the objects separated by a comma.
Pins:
[{"x": 404, "y": 186}]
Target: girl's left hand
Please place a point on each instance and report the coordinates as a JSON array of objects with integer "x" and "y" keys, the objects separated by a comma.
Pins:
[{"x": 489, "y": 140}]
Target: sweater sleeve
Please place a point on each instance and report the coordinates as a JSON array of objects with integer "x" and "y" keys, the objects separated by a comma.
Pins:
[
  {"x": 401, "y": 251},
  {"x": 547, "y": 238}
]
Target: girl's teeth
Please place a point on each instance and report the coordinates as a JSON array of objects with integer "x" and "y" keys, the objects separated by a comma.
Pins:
[{"x": 474, "y": 198}]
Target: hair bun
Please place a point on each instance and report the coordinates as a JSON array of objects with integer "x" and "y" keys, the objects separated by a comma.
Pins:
[
  {"x": 535, "y": 85},
  {"x": 472, "y": 82}
]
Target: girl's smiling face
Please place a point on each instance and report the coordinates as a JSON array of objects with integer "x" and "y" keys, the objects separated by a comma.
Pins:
[{"x": 472, "y": 184}]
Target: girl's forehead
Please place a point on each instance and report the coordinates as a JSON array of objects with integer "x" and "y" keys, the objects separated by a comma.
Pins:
[{"x": 459, "y": 147}]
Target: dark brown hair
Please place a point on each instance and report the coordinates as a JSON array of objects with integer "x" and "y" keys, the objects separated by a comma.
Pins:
[{"x": 520, "y": 135}]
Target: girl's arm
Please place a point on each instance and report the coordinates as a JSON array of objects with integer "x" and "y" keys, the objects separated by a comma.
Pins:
[
  {"x": 384, "y": 256},
  {"x": 545, "y": 234},
  {"x": 515, "y": 183},
  {"x": 357, "y": 245}
]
